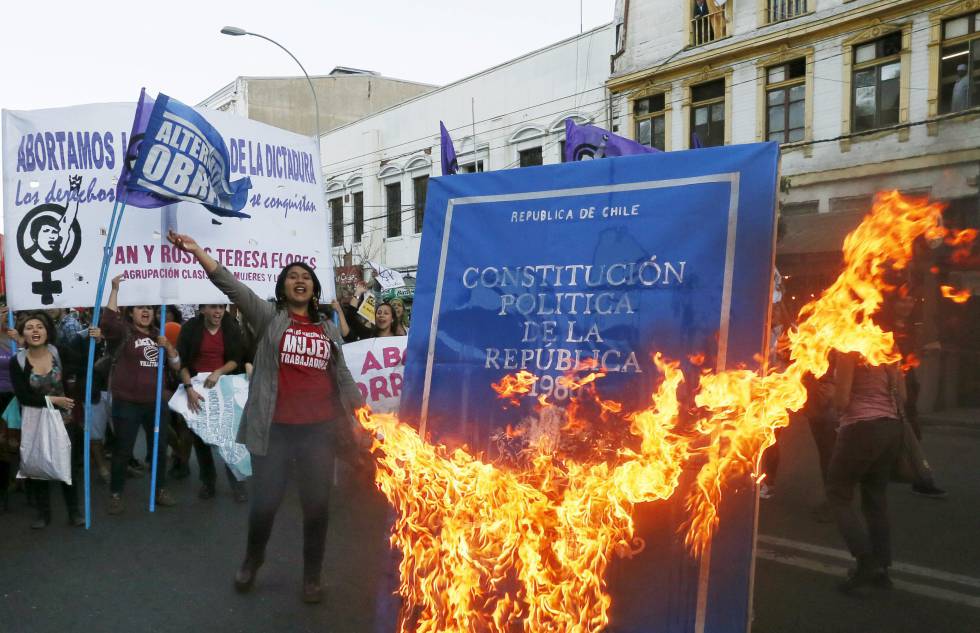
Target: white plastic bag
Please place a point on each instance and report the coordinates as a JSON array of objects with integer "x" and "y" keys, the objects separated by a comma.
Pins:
[{"x": 45, "y": 448}]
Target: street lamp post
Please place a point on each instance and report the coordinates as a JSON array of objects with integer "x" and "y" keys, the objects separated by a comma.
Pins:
[{"x": 236, "y": 31}]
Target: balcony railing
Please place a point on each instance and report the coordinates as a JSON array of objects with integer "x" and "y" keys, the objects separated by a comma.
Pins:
[
  {"x": 779, "y": 10},
  {"x": 710, "y": 22}
]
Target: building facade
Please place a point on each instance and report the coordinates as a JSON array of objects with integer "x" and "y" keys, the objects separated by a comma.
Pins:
[
  {"x": 863, "y": 95},
  {"x": 344, "y": 95},
  {"x": 376, "y": 169}
]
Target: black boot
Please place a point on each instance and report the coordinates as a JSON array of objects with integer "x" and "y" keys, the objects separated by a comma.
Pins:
[
  {"x": 312, "y": 591},
  {"x": 868, "y": 574},
  {"x": 245, "y": 577}
]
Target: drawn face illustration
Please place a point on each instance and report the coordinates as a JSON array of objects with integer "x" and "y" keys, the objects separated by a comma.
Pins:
[{"x": 47, "y": 236}]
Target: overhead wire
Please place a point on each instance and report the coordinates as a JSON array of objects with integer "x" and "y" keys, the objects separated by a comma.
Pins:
[
  {"x": 629, "y": 93},
  {"x": 625, "y": 94}
]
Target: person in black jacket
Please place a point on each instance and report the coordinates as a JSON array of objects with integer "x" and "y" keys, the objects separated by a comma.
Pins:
[
  {"x": 37, "y": 376},
  {"x": 210, "y": 343}
]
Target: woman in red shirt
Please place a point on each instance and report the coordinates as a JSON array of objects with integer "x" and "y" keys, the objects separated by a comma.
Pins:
[
  {"x": 133, "y": 386},
  {"x": 299, "y": 409},
  {"x": 210, "y": 343}
]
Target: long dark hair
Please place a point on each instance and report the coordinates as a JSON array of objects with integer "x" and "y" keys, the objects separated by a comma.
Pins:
[
  {"x": 154, "y": 322},
  {"x": 45, "y": 320},
  {"x": 395, "y": 323},
  {"x": 314, "y": 305}
]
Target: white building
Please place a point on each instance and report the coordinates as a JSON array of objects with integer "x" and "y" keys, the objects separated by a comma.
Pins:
[
  {"x": 344, "y": 95},
  {"x": 861, "y": 95},
  {"x": 376, "y": 169}
]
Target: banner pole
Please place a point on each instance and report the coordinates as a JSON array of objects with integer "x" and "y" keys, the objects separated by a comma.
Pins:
[
  {"x": 10, "y": 326},
  {"x": 113, "y": 231},
  {"x": 161, "y": 355}
]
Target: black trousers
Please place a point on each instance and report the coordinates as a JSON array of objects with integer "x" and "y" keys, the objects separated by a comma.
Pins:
[
  {"x": 41, "y": 489},
  {"x": 205, "y": 462},
  {"x": 864, "y": 455},
  {"x": 823, "y": 428},
  {"x": 310, "y": 449},
  {"x": 127, "y": 419}
]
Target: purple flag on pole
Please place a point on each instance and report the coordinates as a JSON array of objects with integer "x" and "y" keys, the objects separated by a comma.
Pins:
[
  {"x": 448, "y": 152},
  {"x": 589, "y": 141},
  {"x": 142, "y": 199}
]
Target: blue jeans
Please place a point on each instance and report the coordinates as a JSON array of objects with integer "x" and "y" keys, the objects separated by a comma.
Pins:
[{"x": 127, "y": 418}]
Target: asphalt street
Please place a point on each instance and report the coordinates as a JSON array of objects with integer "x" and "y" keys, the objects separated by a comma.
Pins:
[
  {"x": 935, "y": 546},
  {"x": 172, "y": 571}
]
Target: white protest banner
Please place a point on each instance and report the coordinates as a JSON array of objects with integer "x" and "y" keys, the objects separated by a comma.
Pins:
[
  {"x": 377, "y": 365},
  {"x": 388, "y": 277},
  {"x": 216, "y": 421},
  {"x": 59, "y": 174}
]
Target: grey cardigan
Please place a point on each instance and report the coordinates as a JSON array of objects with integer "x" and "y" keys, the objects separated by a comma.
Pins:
[{"x": 269, "y": 324}]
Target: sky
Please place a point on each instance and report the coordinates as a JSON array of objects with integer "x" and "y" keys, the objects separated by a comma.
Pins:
[{"x": 68, "y": 52}]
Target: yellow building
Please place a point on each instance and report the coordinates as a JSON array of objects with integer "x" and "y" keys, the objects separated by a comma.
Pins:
[{"x": 863, "y": 95}]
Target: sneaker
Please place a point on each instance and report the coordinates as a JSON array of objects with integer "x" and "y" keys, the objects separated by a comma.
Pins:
[
  {"x": 104, "y": 474},
  {"x": 76, "y": 519},
  {"x": 206, "y": 491},
  {"x": 165, "y": 499},
  {"x": 116, "y": 505},
  {"x": 766, "y": 491},
  {"x": 929, "y": 490},
  {"x": 134, "y": 472},
  {"x": 40, "y": 523}
]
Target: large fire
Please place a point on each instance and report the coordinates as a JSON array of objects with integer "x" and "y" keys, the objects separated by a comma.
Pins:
[{"x": 525, "y": 545}]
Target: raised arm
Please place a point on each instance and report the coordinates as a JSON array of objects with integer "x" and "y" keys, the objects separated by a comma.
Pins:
[
  {"x": 113, "y": 303},
  {"x": 256, "y": 310}
]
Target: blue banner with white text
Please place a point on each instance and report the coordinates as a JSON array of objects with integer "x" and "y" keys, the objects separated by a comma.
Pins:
[
  {"x": 600, "y": 264},
  {"x": 183, "y": 157}
]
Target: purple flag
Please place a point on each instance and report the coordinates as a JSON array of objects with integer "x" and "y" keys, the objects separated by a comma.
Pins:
[
  {"x": 589, "y": 141},
  {"x": 448, "y": 152},
  {"x": 142, "y": 199}
]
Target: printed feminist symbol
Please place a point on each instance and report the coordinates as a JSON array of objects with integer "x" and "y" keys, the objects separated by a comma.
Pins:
[{"x": 48, "y": 239}]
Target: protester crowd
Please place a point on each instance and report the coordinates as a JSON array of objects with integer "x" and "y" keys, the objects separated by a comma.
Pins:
[
  {"x": 301, "y": 398},
  {"x": 50, "y": 367}
]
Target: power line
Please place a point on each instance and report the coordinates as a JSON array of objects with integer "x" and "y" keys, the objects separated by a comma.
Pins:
[
  {"x": 626, "y": 94},
  {"x": 943, "y": 117},
  {"x": 620, "y": 95}
]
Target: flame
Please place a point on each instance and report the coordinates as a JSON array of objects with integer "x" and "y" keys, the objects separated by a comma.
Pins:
[
  {"x": 492, "y": 548},
  {"x": 513, "y": 386},
  {"x": 961, "y": 238},
  {"x": 954, "y": 295}
]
